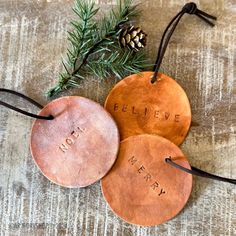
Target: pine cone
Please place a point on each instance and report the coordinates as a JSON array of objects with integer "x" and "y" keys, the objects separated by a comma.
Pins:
[{"x": 133, "y": 37}]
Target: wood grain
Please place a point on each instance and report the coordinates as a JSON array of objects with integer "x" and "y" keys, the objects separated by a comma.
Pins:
[{"x": 202, "y": 60}]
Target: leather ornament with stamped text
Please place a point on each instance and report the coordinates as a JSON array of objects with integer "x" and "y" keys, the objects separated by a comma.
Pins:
[
  {"x": 74, "y": 141},
  {"x": 79, "y": 146},
  {"x": 141, "y": 188},
  {"x": 138, "y": 107},
  {"x": 152, "y": 102},
  {"x": 151, "y": 180}
]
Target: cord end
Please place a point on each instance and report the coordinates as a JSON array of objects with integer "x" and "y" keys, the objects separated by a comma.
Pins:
[
  {"x": 50, "y": 117},
  {"x": 191, "y": 8}
]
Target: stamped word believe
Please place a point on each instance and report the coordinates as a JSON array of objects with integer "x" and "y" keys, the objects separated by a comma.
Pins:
[
  {"x": 71, "y": 139},
  {"x": 160, "y": 115},
  {"x": 147, "y": 177}
]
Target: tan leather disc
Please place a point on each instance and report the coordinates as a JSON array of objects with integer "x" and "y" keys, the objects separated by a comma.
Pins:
[
  {"x": 141, "y": 187},
  {"x": 138, "y": 107},
  {"x": 79, "y": 146}
]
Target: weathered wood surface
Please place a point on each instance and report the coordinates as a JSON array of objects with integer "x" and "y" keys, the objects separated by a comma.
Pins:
[{"x": 203, "y": 61}]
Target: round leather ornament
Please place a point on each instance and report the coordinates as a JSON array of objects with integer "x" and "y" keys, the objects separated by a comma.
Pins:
[
  {"x": 79, "y": 146},
  {"x": 141, "y": 187},
  {"x": 139, "y": 106}
]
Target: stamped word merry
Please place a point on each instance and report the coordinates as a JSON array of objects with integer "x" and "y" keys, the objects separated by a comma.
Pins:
[
  {"x": 147, "y": 177},
  {"x": 145, "y": 111},
  {"x": 70, "y": 140}
]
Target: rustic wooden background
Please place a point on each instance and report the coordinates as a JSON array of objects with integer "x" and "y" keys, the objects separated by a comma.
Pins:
[{"x": 203, "y": 61}]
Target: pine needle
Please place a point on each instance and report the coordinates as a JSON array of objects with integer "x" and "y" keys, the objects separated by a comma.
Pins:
[{"x": 94, "y": 47}]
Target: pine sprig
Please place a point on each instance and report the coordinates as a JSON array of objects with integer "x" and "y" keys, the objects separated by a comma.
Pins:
[
  {"x": 94, "y": 46},
  {"x": 118, "y": 64},
  {"x": 110, "y": 25},
  {"x": 80, "y": 38}
]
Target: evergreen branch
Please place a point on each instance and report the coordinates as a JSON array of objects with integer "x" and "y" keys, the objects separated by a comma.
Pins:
[
  {"x": 111, "y": 24},
  {"x": 80, "y": 37},
  {"x": 117, "y": 64},
  {"x": 90, "y": 40}
]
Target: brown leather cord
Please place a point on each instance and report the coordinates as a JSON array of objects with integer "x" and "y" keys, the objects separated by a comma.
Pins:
[
  {"x": 190, "y": 8},
  {"x": 198, "y": 172},
  {"x": 50, "y": 117}
]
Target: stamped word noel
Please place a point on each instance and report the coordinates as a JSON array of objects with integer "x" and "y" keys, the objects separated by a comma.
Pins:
[
  {"x": 145, "y": 111},
  {"x": 71, "y": 139},
  {"x": 147, "y": 177}
]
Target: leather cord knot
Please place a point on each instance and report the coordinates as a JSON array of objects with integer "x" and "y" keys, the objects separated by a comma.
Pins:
[{"x": 190, "y": 8}]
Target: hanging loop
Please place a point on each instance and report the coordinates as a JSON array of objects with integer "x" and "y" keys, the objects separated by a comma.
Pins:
[
  {"x": 190, "y": 8},
  {"x": 198, "y": 172},
  {"x": 50, "y": 117}
]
